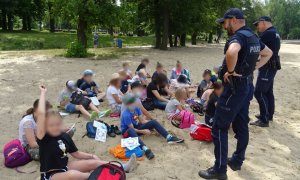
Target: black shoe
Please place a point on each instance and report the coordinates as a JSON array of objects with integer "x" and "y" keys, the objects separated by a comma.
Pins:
[
  {"x": 232, "y": 165},
  {"x": 212, "y": 174},
  {"x": 101, "y": 100},
  {"x": 149, "y": 154},
  {"x": 110, "y": 131},
  {"x": 175, "y": 140},
  {"x": 258, "y": 117},
  {"x": 116, "y": 130},
  {"x": 259, "y": 123}
]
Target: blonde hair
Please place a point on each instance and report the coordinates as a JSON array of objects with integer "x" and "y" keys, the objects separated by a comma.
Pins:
[{"x": 181, "y": 93}]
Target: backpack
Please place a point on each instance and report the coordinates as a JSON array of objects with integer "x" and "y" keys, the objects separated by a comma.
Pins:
[
  {"x": 187, "y": 119},
  {"x": 201, "y": 132},
  {"x": 108, "y": 171},
  {"x": 15, "y": 155},
  {"x": 197, "y": 107},
  {"x": 90, "y": 130},
  {"x": 79, "y": 99}
]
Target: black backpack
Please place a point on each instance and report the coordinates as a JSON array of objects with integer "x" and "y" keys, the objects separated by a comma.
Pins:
[
  {"x": 108, "y": 171},
  {"x": 148, "y": 104},
  {"x": 79, "y": 99}
]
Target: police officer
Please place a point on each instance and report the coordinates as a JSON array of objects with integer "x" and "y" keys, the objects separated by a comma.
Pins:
[
  {"x": 265, "y": 79},
  {"x": 241, "y": 58}
]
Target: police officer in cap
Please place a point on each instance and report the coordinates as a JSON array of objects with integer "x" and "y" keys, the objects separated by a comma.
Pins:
[
  {"x": 241, "y": 58},
  {"x": 265, "y": 80}
]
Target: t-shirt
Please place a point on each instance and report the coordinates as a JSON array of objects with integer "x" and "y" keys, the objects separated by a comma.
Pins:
[
  {"x": 141, "y": 66},
  {"x": 211, "y": 105},
  {"x": 172, "y": 106},
  {"x": 64, "y": 94},
  {"x": 109, "y": 94},
  {"x": 52, "y": 150},
  {"x": 88, "y": 87},
  {"x": 129, "y": 117},
  {"x": 151, "y": 87},
  {"x": 27, "y": 122}
]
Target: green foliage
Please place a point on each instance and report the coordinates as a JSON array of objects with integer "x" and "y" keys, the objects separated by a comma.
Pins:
[
  {"x": 76, "y": 49},
  {"x": 295, "y": 33}
]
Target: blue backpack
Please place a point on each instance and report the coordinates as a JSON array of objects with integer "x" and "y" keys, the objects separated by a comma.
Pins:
[{"x": 90, "y": 130}]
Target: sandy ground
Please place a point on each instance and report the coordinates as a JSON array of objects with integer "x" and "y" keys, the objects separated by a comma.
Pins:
[{"x": 273, "y": 153}]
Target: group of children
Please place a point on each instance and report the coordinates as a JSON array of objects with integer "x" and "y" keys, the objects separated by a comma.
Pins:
[{"x": 42, "y": 135}]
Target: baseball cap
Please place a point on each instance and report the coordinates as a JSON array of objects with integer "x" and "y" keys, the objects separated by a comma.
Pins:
[
  {"x": 88, "y": 72},
  {"x": 263, "y": 18},
  {"x": 129, "y": 98},
  {"x": 71, "y": 85},
  {"x": 231, "y": 13}
]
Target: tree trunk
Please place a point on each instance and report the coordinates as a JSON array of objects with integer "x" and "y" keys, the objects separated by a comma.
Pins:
[
  {"x": 51, "y": 18},
  {"x": 157, "y": 24},
  {"x": 3, "y": 20},
  {"x": 111, "y": 30},
  {"x": 194, "y": 38},
  {"x": 175, "y": 40},
  {"x": 171, "y": 40},
  {"x": 182, "y": 39},
  {"x": 81, "y": 34},
  {"x": 164, "y": 44},
  {"x": 24, "y": 23},
  {"x": 29, "y": 27},
  {"x": 210, "y": 37},
  {"x": 10, "y": 23}
]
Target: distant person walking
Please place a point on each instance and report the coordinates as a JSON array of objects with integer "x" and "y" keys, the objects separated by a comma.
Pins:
[
  {"x": 96, "y": 40},
  {"x": 265, "y": 79}
]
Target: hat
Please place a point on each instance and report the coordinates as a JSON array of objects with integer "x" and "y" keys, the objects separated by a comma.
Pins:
[
  {"x": 88, "y": 72},
  {"x": 231, "y": 13},
  {"x": 115, "y": 76},
  {"x": 263, "y": 18},
  {"x": 71, "y": 85},
  {"x": 136, "y": 84},
  {"x": 129, "y": 98}
]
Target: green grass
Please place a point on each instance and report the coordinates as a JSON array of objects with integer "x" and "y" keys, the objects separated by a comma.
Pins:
[{"x": 19, "y": 40}]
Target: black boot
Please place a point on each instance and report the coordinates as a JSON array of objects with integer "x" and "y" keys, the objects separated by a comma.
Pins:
[
  {"x": 233, "y": 165},
  {"x": 110, "y": 131},
  {"x": 259, "y": 123},
  {"x": 210, "y": 173},
  {"x": 116, "y": 130}
]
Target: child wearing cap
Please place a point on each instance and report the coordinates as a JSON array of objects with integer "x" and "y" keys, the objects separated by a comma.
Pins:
[
  {"x": 133, "y": 124},
  {"x": 114, "y": 94},
  {"x": 89, "y": 86},
  {"x": 65, "y": 98},
  {"x": 205, "y": 83}
]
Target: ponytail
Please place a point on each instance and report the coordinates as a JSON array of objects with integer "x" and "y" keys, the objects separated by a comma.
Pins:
[{"x": 35, "y": 106}]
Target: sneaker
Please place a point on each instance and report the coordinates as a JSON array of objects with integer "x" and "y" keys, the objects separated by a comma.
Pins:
[
  {"x": 116, "y": 130},
  {"x": 259, "y": 123},
  {"x": 233, "y": 165},
  {"x": 149, "y": 154},
  {"x": 210, "y": 173},
  {"x": 175, "y": 140},
  {"x": 94, "y": 115}
]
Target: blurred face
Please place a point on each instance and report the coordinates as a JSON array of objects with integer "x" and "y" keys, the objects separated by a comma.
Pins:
[
  {"x": 126, "y": 67},
  {"x": 179, "y": 66},
  {"x": 160, "y": 69},
  {"x": 132, "y": 106},
  {"x": 218, "y": 92},
  {"x": 228, "y": 26},
  {"x": 118, "y": 84},
  {"x": 207, "y": 77},
  {"x": 260, "y": 26},
  {"x": 88, "y": 78},
  {"x": 54, "y": 125},
  {"x": 138, "y": 91}
]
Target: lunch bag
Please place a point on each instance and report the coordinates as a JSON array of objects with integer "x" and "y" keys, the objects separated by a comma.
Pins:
[
  {"x": 202, "y": 133},
  {"x": 187, "y": 119},
  {"x": 15, "y": 155},
  {"x": 79, "y": 99},
  {"x": 108, "y": 171}
]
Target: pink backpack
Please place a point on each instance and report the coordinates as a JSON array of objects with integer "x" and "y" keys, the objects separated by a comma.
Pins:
[
  {"x": 187, "y": 119},
  {"x": 15, "y": 155}
]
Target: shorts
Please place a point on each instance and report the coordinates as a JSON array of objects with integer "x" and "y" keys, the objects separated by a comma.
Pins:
[
  {"x": 48, "y": 175},
  {"x": 71, "y": 108}
]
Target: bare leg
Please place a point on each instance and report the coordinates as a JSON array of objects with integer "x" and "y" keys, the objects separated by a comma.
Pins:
[
  {"x": 85, "y": 165},
  {"x": 94, "y": 108},
  {"x": 84, "y": 112},
  {"x": 70, "y": 175}
]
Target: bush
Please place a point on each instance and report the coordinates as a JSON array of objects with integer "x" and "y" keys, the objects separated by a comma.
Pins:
[
  {"x": 295, "y": 33},
  {"x": 76, "y": 49}
]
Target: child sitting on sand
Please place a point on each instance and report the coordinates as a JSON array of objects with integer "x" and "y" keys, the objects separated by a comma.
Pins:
[
  {"x": 133, "y": 123},
  {"x": 212, "y": 103},
  {"x": 65, "y": 98},
  {"x": 174, "y": 106},
  {"x": 125, "y": 85},
  {"x": 55, "y": 145},
  {"x": 141, "y": 77},
  {"x": 114, "y": 94},
  {"x": 205, "y": 83},
  {"x": 129, "y": 74},
  {"x": 143, "y": 65},
  {"x": 89, "y": 86}
]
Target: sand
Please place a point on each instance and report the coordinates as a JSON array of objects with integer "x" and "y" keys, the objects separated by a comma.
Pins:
[{"x": 273, "y": 153}]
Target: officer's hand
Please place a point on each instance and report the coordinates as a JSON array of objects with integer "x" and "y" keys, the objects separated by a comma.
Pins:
[{"x": 226, "y": 76}]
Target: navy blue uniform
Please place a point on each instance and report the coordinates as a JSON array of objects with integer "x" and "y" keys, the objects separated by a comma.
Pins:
[
  {"x": 233, "y": 104},
  {"x": 265, "y": 79}
]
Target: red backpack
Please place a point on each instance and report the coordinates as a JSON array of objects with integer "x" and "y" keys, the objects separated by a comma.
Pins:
[
  {"x": 108, "y": 171},
  {"x": 201, "y": 132}
]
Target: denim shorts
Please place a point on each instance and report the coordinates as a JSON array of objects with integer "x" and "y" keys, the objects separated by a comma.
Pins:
[{"x": 70, "y": 108}]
